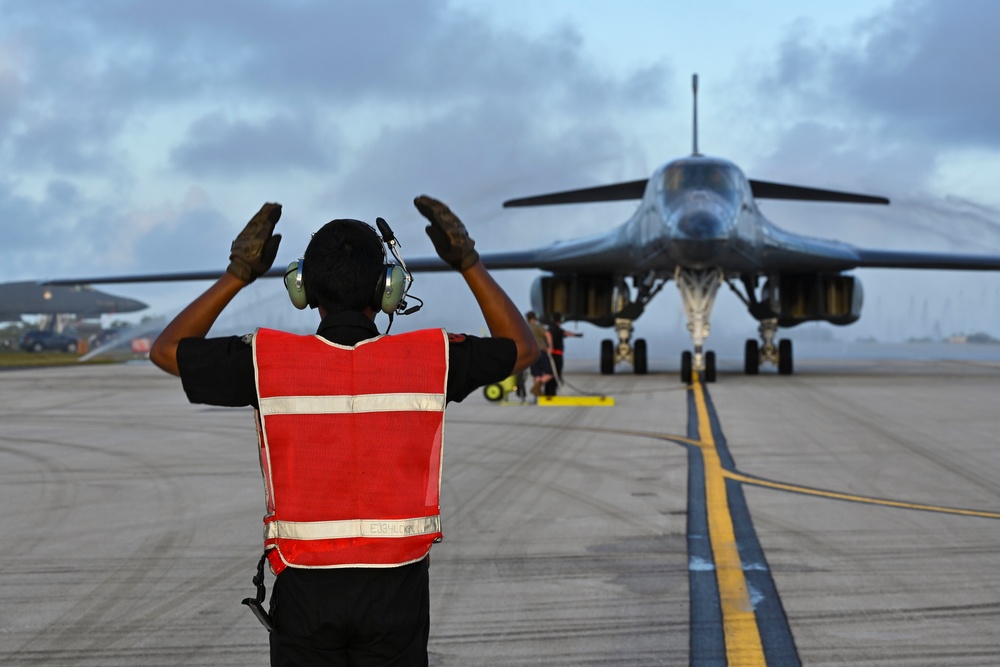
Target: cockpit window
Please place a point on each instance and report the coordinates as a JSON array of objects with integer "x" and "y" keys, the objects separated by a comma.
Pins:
[{"x": 681, "y": 178}]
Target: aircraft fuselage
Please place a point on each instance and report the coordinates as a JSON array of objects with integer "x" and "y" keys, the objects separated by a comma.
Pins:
[{"x": 698, "y": 213}]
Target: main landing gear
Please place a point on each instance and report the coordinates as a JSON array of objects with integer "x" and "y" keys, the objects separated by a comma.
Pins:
[
  {"x": 755, "y": 356},
  {"x": 624, "y": 352},
  {"x": 628, "y": 310}
]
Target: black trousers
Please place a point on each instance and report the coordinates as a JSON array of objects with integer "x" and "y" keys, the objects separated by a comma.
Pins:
[
  {"x": 357, "y": 617},
  {"x": 552, "y": 386}
]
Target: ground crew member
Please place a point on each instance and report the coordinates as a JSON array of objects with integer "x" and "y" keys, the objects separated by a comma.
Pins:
[
  {"x": 558, "y": 336},
  {"x": 350, "y": 425},
  {"x": 541, "y": 368}
]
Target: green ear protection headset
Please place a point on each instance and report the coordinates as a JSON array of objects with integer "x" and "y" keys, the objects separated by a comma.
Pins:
[{"x": 390, "y": 290}]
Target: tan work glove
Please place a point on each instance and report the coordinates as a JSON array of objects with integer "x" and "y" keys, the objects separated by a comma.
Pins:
[
  {"x": 448, "y": 234},
  {"x": 254, "y": 250}
]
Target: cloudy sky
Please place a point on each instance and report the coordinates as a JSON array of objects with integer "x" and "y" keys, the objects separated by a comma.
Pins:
[{"x": 140, "y": 136}]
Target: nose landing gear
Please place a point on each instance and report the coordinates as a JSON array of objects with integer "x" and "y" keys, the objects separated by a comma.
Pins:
[{"x": 698, "y": 289}]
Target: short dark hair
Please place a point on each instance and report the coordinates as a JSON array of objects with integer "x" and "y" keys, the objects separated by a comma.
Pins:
[{"x": 342, "y": 265}]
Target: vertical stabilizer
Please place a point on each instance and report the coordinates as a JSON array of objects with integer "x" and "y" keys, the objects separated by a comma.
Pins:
[{"x": 694, "y": 90}]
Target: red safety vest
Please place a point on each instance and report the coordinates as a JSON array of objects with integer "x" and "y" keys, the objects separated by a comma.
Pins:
[{"x": 350, "y": 447}]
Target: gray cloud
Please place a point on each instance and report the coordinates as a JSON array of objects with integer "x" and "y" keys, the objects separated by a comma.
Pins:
[
  {"x": 505, "y": 148},
  {"x": 919, "y": 69},
  {"x": 217, "y": 145},
  {"x": 925, "y": 63},
  {"x": 195, "y": 237},
  {"x": 32, "y": 248},
  {"x": 270, "y": 91},
  {"x": 302, "y": 52},
  {"x": 855, "y": 158}
]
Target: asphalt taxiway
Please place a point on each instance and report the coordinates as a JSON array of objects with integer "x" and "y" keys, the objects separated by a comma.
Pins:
[{"x": 846, "y": 515}]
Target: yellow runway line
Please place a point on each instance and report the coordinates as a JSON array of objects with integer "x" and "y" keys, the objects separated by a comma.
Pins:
[{"x": 742, "y": 636}]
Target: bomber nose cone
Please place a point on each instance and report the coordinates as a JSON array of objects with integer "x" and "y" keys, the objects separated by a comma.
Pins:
[
  {"x": 110, "y": 303},
  {"x": 127, "y": 305},
  {"x": 699, "y": 238}
]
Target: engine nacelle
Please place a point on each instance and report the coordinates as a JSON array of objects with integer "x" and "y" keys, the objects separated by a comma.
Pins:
[
  {"x": 798, "y": 298},
  {"x": 597, "y": 299}
]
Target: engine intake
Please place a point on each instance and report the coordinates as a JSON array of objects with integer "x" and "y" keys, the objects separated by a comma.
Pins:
[
  {"x": 597, "y": 299},
  {"x": 798, "y": 298}
]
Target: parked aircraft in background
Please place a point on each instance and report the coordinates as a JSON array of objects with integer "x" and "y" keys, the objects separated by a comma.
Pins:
[
  {"x": 699, "y": 225},
  {"x": 34, "y": 298}
]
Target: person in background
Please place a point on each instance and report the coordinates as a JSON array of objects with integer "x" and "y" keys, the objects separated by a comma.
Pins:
[
  {"x": 541, "y": 369},
  {"x": 558, "y": 335}
]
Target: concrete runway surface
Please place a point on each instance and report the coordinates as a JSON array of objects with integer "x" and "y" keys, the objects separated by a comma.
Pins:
[{"x": 847, "y": 515}]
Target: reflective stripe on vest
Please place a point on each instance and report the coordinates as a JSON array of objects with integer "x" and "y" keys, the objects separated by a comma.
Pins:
[
  {"x": 329, "y": 530},
  {"x": 351, "y": 444},
  {"x": 290, "y": 405}
]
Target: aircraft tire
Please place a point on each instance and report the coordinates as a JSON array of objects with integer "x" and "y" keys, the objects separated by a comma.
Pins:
[
  {"x": 784, "y": 357},
  {"x": 639, "y": 352},
  {"x": 493, "y": 392},
  {"x": 686, "y": 366},
  {"x": 607, "y": 357},
  {"x": 710, "y": 366},
  {"x": 751, "y": 357}
]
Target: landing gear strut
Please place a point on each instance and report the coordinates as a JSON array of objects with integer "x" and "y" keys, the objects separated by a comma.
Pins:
[{"x": 698, "y": 288}]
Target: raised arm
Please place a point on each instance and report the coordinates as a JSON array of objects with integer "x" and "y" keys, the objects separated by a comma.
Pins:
[
  {"x": 251, "y": 255},
  {"x": 453, "y": 245}
]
